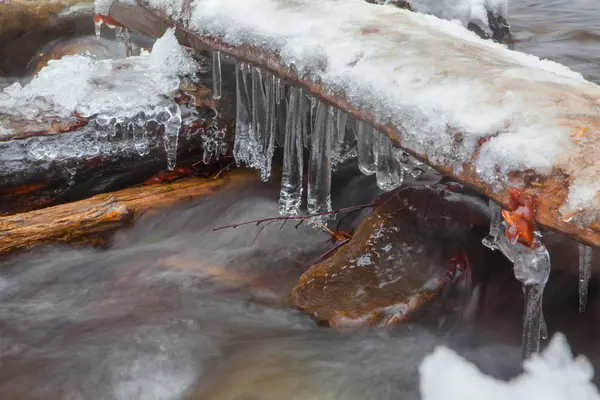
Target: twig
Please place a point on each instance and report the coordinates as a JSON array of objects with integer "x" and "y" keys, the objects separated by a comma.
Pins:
[
  {"x": 298, "y": 218},
  {"x": 331, "y": 250},
  {"x": 223, "y": 169}
]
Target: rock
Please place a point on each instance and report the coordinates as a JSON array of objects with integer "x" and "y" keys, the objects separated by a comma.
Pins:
[
  {"x": 99, "y": 47},
  {"x": 27, "y": 25},
  {"x": 398, "y": 259}
]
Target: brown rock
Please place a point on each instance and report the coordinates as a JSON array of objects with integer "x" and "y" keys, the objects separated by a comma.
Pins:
[
  {"x": 398, "y": 259},
  {"x": 27, "y": 25}
]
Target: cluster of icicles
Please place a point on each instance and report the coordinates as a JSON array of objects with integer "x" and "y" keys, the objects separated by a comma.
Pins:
[
  {"x": 270, "y": 112},
  {"x": 532, "y": 268},
  {"x": 118, "y": 134}
]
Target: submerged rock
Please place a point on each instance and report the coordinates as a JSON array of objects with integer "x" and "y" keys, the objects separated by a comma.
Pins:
[
  {"x": 399, "y": 258},
  {"x": 27, "y": 25}
]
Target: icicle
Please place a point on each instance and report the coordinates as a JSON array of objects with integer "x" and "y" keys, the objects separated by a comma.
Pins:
[
  {"x": 319, "y": 167},
  {"x": 364, "y": 138},
  {"x": 532, "y": 269},
  {"x": 172, "y": 123},
  {"x": 98, "y": 25},
  {"x": 241, "y": 147},
  {"x": 390, "y": 174},
  {"x": 267, "y": 136},
  {"x": 341, "y": 126},
  {"x": 278, "y": 90},
  {"x": 126, "y": 42},
  {"x": 216, "y": 75},
  {"x": 585, "y": 273},
  {"x": 291, "y": 178}
]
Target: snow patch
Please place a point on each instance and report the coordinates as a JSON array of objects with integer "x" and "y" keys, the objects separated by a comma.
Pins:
[{"x": 553, "y": 375}]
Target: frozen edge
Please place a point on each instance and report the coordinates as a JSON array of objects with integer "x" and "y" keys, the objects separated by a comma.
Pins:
[{"x": 489, "y": 103}]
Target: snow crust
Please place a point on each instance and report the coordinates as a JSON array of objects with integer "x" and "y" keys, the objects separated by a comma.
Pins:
[
  {"x": 88, "y": 86},
  {"x": 553, "y": 375}
]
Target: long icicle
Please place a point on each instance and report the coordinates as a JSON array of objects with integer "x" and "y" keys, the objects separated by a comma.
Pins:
[
  {"x": 364, "y": 138},
  {"x": 390, "y": 174},
  {"x": 241, "y": 146},
  {"x": 268, "y": 136},
  {"x": 217, "y": 75},
  {"x": 586, "y": 254},
  {"x": 319, "y": 167},
  {"x": 291, "y": 178},
  {"x": 532, "y": 269}
]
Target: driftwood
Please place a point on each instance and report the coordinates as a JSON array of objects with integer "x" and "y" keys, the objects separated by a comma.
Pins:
[
  {"x": 28, "y": 183},
  {"x": 92, "y": 220},
  {"x": 551, "y": 188}
]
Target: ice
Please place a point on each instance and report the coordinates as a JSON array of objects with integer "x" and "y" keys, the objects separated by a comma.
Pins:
[
  {"x": 552, "y": 375},
  {"x": 255, "y": 119},
  {"x": 586, "y": 254},
  {"x": 122, "y": 95},
  {"x": 292, "y": 173},
  {"x": 365, "y": 140},
  {"x": 532, "y": 268},
  {"x": 390, "y": 174},
  {"x": 241, "y": 148},
  {"x": 123, "y": 33},
  {"x": 217, "y": 78},
  {"x": 319, "y": 166}
]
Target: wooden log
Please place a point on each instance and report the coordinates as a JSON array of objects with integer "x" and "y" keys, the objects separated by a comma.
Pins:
[
  {"x": 30, "y": 178},
  {"x": 539, "y": 102},
  {"x": 92, "y": 220}
]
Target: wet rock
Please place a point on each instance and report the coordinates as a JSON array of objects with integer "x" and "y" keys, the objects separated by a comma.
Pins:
[
  {"x": 27, "y": 25},
  {"x": 399, "y": 258},
  {"x": 100, "y": 48}
]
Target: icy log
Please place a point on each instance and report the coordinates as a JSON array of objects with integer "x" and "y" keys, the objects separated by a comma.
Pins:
[
  {"x": 59, "y": 160},
  {"x": 91, "y": 220},
  {"x": 488, "y": 116}
]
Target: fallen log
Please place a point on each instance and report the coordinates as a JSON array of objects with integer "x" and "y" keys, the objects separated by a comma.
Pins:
[
  {"x": 490, "y": 117},
  {"x": 92, "y": 220},
  {"x": 50, "y": 157},
  {"x": 67, "y": 159}
]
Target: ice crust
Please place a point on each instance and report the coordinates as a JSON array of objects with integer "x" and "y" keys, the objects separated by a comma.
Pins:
[
  {"x": 87, "y": 86},
  {"x": 553, "y": 375}
]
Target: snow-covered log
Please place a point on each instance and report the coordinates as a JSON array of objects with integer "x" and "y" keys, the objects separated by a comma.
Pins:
[{"x": 488, "y": 116}]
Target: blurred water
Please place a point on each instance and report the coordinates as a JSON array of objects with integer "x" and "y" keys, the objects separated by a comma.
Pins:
[{"x": 565, "y": 31}]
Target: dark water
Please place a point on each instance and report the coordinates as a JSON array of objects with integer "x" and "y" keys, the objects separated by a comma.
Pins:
[{"x": 565, "y": 31}]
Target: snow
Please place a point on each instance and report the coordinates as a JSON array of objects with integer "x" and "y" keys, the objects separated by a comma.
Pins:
[
  {"x": 553, "y": 375},
  {"x": 88, "y": 86}
]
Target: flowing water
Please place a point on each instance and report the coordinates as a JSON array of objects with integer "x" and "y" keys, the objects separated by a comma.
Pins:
[{"x": 174, "y": 310}]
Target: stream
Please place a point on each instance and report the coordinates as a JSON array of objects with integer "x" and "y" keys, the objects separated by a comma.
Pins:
[{"x": 175, "y": 310}]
